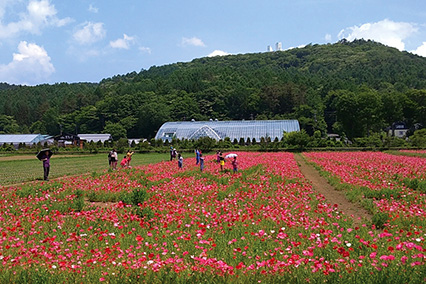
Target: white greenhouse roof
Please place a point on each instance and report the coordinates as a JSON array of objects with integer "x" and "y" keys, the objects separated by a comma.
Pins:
[
  {"x": 233, "y": 129},
  {"x": 95, "y": 137},
  {"x": 22, "y": 138}
]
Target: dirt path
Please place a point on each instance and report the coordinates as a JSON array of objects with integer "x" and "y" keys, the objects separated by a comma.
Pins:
[{"x": 332, "y": 195}]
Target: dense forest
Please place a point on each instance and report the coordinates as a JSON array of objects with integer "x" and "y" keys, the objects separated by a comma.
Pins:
[{"x": 350, "y": 88}]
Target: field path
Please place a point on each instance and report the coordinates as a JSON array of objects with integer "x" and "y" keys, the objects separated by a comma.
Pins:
[{"x": 332, "y": 195}]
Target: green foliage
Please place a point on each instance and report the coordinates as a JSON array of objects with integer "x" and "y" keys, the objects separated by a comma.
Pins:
[
  {"x": 357, "y": 88},
  {"x": 205, "y": 144},
  {"x": 380, "y": 219},
  {"x": 419, "y": 138},
  {"x": 122, "y": 144},
  {"x": 139, "y": 195},
  {"x": 374, "y": 140},
  {"x": 384, "y": 193},
  {"x": 8, "y": 124},
  {"x": 116, "y": 130},
  {"x": 415, "y": 184},
  {"x": 78, "y": 202},
  {"x": 297, "y": 140},
  {"x": 392, "y": 141}
]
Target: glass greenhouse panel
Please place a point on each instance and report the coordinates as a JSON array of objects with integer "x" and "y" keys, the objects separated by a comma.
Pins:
[{"x": 218, "y": 130}]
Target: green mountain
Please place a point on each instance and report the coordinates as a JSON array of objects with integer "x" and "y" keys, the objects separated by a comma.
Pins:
[{"x": 353, "y": 88}]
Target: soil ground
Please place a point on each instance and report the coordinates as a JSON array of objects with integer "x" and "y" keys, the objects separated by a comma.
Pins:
[{"x": 332, "y": 195}]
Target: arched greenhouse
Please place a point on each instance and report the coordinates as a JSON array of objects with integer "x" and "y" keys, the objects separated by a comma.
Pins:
[{"x": 218, "y": 130}]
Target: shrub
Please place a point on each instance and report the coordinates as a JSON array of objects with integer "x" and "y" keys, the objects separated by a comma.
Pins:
[
  {"x": 297, "y": 139},
  {"x": 380, "y": 219},
  {"x": 78, "y": 202},
  {"x": 205, "y": 144},
  {"x": 139, "y": 195}
]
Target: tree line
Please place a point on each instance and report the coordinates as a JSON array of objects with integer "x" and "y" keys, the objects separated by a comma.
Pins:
[{"x": 354, "y": 89}]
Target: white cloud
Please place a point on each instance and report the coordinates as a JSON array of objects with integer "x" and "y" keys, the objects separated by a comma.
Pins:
[
  {"x": 193, "y": 41},
  {"x": 122, "y": 43},
  {"x": 145, "y": 49},
  {"x": 421, "y": 50},
  {"x": 39, "y": 14},
  {"x": 387, "y": 32},
  {"x": 93, "y": 9},
  {"x": 90, "y": 33},
  {"x": 327, "y": 37},
  {"x": 218, "y": 53},
  {"x": 30, "y": 66}
]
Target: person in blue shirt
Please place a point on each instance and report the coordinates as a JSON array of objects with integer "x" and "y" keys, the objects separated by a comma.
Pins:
[
  {"x": 201, "y": 162},
  {"x": 197, "y": 156}
]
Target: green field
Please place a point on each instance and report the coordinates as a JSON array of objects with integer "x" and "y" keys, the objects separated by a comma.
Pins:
[{"x": 18, "y": 169}]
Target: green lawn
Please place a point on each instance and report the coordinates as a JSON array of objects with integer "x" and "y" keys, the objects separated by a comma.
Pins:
[
  {"x": 393, "y": 152},
  {"x": 18, "y": 169}
]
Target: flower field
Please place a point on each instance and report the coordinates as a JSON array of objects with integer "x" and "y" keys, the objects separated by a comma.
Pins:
[
  {"x": 263, "y": 224},
  {"x": 392, "y": 187}
]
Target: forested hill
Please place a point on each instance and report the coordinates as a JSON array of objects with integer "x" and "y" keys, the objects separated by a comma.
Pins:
[{"x": 353, "y": 88}]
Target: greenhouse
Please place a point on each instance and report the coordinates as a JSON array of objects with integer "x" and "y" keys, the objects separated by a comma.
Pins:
[
  {"x": 218, "y": 130},
  {"x": 27, "y": 139}
]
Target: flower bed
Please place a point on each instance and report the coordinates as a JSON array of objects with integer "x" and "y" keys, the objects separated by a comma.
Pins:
[{"x": 262, "y": 224}]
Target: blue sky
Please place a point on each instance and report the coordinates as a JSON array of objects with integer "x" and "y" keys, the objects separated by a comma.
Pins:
[{"x": 52, "y": 41}]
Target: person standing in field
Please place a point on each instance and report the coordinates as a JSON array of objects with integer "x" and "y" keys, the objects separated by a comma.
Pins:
[
  {"x": 221, "y": 161},
  {"x": 46, "y": 165},
  {"x": 110, "y": 159},
  {"x": 201, "y": 162},
  {"x": 235, "y": 165},
  {"x": 180, "y": 161},
  {"x": 173, "y": 153},
  {"x": 114, "y": 159},
  {"x": 197, "y": 156},
  {"x": 129, "y": 157}
]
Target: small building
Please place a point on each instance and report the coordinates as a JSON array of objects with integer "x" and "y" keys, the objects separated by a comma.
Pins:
[
  {"x": 20, "y": 139},
  {"x": 398, "y": 129},
  {"x": 136, "y": 141},
  {"x": 95, "y": 137},
  {"x": 67, "y": 139},
  {"x": 219, "y": 130}
]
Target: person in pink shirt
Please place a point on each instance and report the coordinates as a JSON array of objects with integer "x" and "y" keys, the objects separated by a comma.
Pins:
[
  {"x": 235, "y": 165},
  {"x": 124, "y": 162}
]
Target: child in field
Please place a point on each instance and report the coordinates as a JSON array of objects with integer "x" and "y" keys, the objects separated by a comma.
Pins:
[
  {"x": 235, "y": 165},
  {"x": 180, "y": 161},
  {"x": 124, "y": 162}
]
